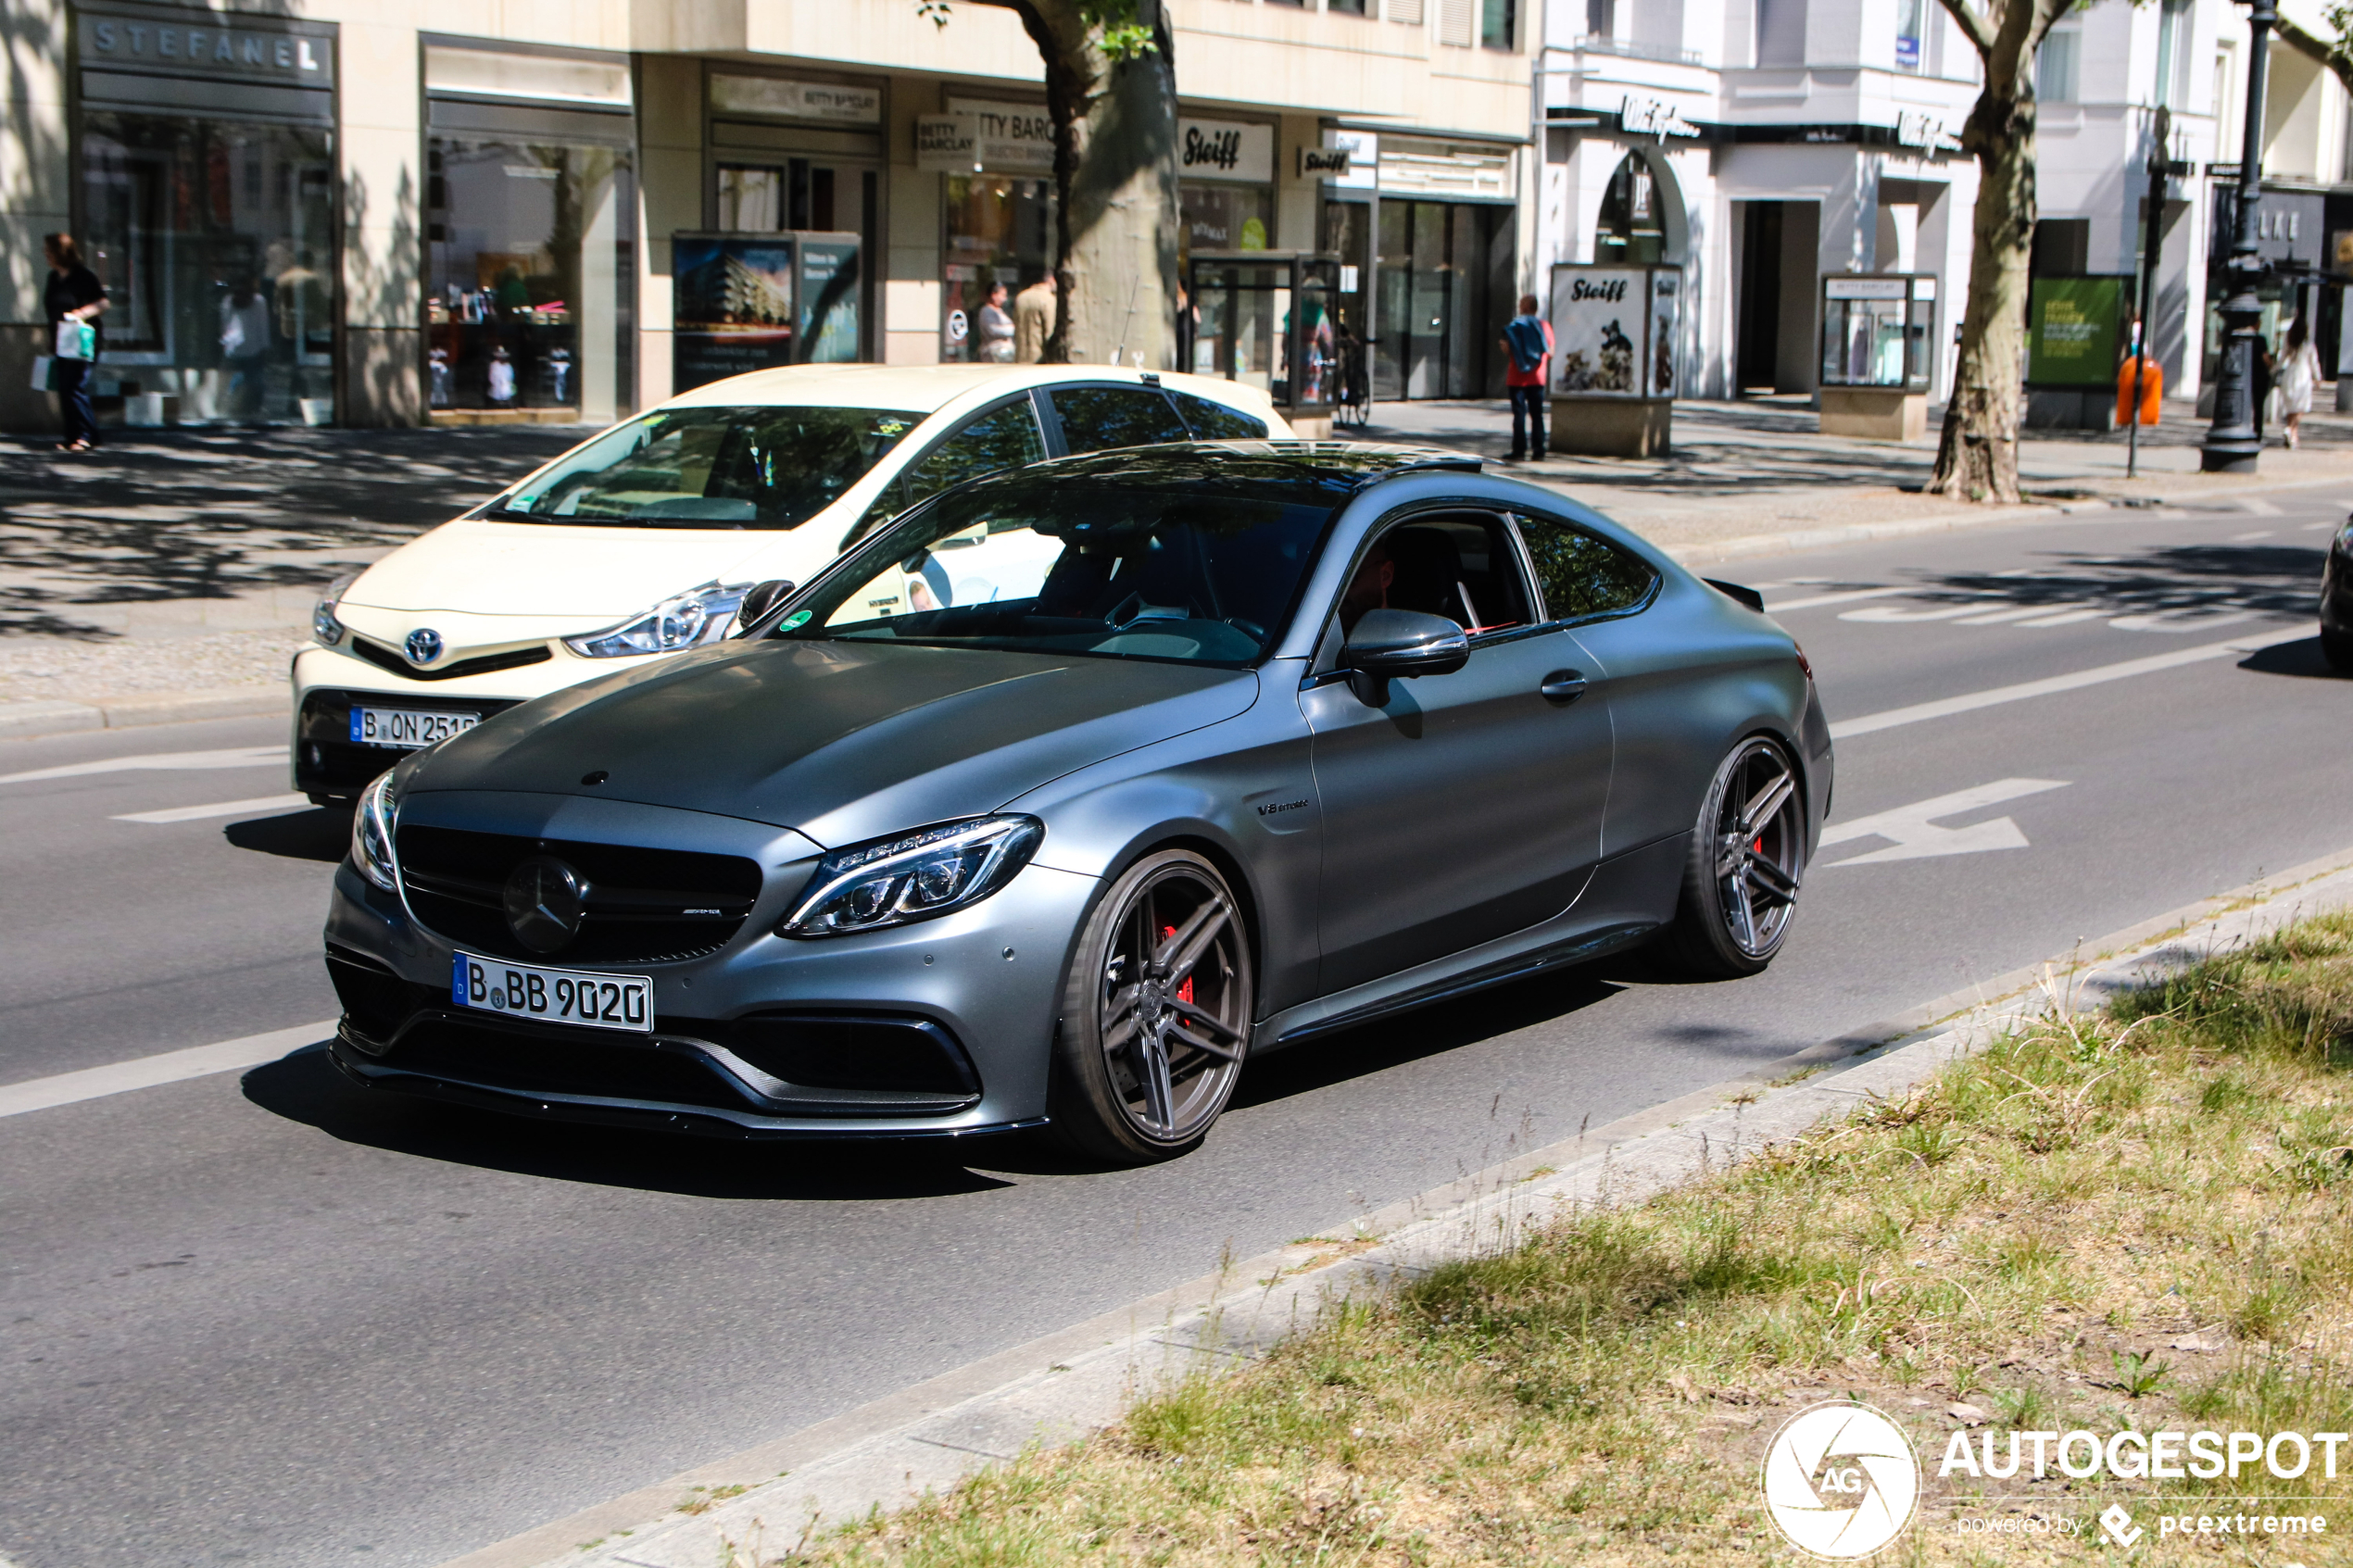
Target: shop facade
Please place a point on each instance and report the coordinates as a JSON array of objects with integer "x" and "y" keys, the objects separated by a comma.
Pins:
[{"x": 318, "y": 212}]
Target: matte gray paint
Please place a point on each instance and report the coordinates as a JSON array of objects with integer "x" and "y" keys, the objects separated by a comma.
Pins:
[{"x": 1376, "y": 866}]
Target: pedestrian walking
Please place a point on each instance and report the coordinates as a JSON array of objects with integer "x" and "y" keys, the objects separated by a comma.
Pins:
[
  {"x": 2299, "y": 373},
  {"x": 1529, "y": 341},
  {"x": 73, "y": 295}
]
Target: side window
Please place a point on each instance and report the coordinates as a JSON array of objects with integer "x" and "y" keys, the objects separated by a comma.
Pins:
[
  {"x": 1096, "y": 418},
  {"x": 1214, "y": 421},
  {"x": 1461, "y": 567},
  {"x": 1582, "y": 576},
  {"x": 1005, "y": 437}
]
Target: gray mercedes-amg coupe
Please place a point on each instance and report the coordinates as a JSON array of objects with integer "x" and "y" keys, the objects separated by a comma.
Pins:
[{"x": 1071, "y": 790}]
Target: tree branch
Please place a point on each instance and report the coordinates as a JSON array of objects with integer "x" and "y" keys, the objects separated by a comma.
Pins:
[
  {"x": 2318, "y": 50},
  {"x": 1973, "y": 23}
]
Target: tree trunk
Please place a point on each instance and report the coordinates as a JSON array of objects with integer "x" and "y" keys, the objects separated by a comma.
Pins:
[
  {"x": 1115, "y": 186},
  {"x": 1977, "y": 458}
]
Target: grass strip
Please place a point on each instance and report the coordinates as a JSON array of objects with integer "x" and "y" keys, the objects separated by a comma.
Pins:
[{"x": 2135, "y": 1218}]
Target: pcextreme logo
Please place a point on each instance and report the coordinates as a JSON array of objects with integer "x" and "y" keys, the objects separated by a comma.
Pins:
[{"x": 1841, "y": 1481}]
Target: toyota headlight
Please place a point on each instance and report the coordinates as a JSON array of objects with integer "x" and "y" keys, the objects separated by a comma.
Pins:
[
  {"x": 698, "y": 615},
  {"x": 913, "y": 876},
  {"x": 324, "y": 625},
  {"x": 371, "y": 827}
]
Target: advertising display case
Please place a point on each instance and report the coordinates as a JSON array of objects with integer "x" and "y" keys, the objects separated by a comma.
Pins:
[
  {"x": 1878, "y": 344},
  {"x": 1615, "y": 331},
  {"x": 2077, "y": 331},
  {"x": 751, "y": 302},
  {"x": 1264, "y": 318}
]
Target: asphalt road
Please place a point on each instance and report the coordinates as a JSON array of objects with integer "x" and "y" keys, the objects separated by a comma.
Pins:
[{"x": 263, "y": 1318}]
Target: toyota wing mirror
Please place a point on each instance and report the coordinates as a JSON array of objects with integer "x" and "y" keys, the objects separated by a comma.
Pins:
[
  {"x": 763, "y": 597},
  {"x": 1399, "y": 643}
]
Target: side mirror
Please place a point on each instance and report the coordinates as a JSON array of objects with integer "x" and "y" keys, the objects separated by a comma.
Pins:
[
  {"x": 1402, "y": 643},
  {"x": 763, "y": 597}
]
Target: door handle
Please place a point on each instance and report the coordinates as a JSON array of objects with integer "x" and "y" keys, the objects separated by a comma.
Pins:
[{"x": 1563, "y": 687}]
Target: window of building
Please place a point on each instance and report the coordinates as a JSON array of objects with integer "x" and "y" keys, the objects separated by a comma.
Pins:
[
  {"x": 1498, "y": 24},
  {"x": 2054, "y": 65},
  {"x": 2173, "y": 27},
  {"x": 1632, "y": 226},
  {"x": 1346, "y": 7},
  {"x": 1911, "y": 34},
  {"x": 998, "y": 230},
  {"x": 1223, "y": 218}
]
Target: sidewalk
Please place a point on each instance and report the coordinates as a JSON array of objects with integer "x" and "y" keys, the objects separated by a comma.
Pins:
[
  {"x": 187, "y": 561},
  {"x": 1761, "y": 466},
  {"x": 190, "y": 559}
]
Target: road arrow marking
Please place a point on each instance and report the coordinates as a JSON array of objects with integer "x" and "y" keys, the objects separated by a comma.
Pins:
[
  {"x": 217, "y": 808},
  {"x": 1917, "y": 836}
]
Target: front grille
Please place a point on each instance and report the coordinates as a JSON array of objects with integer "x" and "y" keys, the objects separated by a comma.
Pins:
[
  {"x": 644, "y": 905},
  {"x": 326, "y": 762},
  {"x": 576, "y": 1061},
  {"x": 384, "y": 657}
]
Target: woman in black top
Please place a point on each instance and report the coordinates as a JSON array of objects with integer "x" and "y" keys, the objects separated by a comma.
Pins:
[{"x": 74, "y": 294}]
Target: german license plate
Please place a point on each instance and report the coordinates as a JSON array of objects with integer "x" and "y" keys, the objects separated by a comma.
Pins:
[
  {"x": 404, "y": 728},
  {"x": 554, "y": 995}
]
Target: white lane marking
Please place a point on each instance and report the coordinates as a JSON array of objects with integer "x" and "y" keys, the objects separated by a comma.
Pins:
[
  {"x": 2194, "y": 619},
  {"x": 219, "y": 808},
  {"x": 2067, "y": 618},
  {"x": 1917, "y": 836},
  {"x": 2020, "y": 613},
  {"x": 146, "y": 1071},
  {"x": 238, "y": 756},
  {"x": 2258, "y": 506},
  {"x": 2258, "y": 533},
  {"x": 1944, "y": 707},
  {"x": 1848, "y": 596},
  {"x": 1897, "y": 615},
  {"x": 2316, "y": 527}
]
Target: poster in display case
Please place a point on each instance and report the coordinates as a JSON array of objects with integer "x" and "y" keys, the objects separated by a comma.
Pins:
[
  {"x": 753, "y": 301},
  {"x": 1614, "y": 331},
  {"x": 1878, "y": 330}
]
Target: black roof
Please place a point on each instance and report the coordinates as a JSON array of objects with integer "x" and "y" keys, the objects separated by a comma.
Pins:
[{"x": 1336, "y": 468}]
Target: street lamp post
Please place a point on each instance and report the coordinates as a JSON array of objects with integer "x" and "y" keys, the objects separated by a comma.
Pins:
[{"x": 2232, "y": 443}]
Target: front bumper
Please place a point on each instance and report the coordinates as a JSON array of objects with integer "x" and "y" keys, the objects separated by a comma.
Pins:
[
  {"x": 2336, "y": 591},
  {"x": 327, "y": 681},
  {"x": 941, "y": 1027}
]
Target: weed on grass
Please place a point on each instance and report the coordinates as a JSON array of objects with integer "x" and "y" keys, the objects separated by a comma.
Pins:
[{"x": 2134, "y": 1217}]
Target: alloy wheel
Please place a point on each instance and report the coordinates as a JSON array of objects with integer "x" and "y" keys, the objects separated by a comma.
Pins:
[
  {"x": 1173, "y": 1003},
  {"x": 1760, "y": 848}
]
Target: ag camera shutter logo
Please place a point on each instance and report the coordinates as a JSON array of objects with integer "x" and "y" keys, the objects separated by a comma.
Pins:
[{"x": 1841, "y": 1481}]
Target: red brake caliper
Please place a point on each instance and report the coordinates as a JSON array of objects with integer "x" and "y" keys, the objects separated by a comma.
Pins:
[{"x": 1183, "y": 992}]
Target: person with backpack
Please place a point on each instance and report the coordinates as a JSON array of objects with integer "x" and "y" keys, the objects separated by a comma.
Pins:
[{"x": 1528, "y": 340}]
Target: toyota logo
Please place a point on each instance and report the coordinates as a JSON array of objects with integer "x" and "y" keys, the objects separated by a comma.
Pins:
[
  {"x": 425, "y": 645},
  {"x": 545, "y": 901}
]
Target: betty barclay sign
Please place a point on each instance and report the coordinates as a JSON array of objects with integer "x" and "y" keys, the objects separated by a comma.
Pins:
[
  {"x": 257, "y": 52},
  {"x": 973, "y": 136}
]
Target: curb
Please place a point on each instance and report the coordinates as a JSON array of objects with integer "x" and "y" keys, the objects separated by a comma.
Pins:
[
  {"x": 1058, "y": 1388},
  {"x": 22, "y": 721}
]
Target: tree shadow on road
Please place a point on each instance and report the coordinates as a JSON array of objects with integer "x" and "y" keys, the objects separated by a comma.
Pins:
[{"x": 306, "y": 1088}]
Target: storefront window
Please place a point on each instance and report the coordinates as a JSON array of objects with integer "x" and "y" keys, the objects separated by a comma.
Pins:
[
  {"x": 1223, "y": 218},
  {"x": 528, "y": 276},
  {"x": 216, "y": 241},
  {"x": 998, "y": 230},
  {"x": 1632, "y": 228}
]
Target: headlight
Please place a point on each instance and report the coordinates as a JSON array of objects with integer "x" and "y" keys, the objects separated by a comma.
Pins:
[
  {"x": 371, "y": 827},
  {"x": 698, "y": 615},
  {"x": 323, "y": 623},
  {"x": 914, "y": 876}
]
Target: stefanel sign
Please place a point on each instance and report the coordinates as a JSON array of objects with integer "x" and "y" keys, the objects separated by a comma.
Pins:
[{"x": 252, "y": 53}]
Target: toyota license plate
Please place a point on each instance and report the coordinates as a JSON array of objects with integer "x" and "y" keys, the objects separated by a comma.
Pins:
[
  {"x": 554, "y": 995},
  {"x": 404, "y": 728}
]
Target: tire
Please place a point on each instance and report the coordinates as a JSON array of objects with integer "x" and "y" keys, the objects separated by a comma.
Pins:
[
  {"x": 1155, "y": 1026},
  {"x": 2337, "y": 649},
  {"x": 1748, "y": 854}
]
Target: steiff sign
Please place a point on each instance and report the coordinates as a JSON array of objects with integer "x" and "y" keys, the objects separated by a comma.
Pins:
[
  {"x": 1225, "y": 149},
  {"x": 1324, "y": 163}
]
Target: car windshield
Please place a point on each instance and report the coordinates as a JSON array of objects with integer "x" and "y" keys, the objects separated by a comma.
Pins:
[
  {"x": 712, "y": 468},
  {"x": 1054, "y": 563}
]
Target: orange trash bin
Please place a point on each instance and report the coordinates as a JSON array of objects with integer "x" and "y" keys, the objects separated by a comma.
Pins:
[{"x": 2152, "y": 393}]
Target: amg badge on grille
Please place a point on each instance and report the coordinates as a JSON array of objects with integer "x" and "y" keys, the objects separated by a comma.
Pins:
[{"x": 545, "y": 901}]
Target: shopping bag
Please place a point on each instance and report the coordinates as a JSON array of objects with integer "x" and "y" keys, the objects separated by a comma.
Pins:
[
  {"x": 77, "y": 339},
  {"x": 41, "y": 363}
]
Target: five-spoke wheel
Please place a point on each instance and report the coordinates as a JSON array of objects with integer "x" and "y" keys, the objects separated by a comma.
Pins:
[
  {"x": 1156, "y": 1012},
  {"x": 1748, "y": 852}
]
